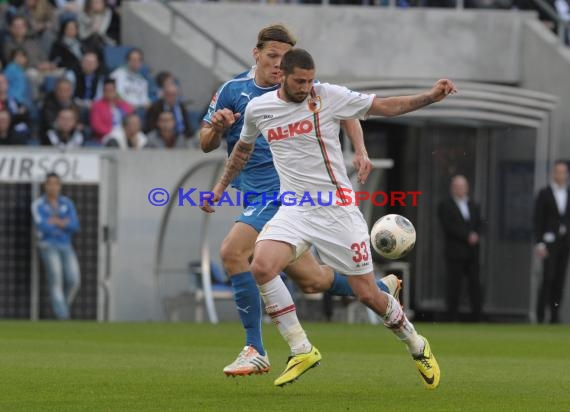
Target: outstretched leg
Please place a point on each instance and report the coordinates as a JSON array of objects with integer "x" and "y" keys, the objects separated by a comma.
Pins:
[
  {"x": 312, "y": 277},
  {"x": 394, "y": 319}
]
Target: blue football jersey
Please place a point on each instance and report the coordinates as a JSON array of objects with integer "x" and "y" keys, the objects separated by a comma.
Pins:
[{"x": 259, "y": 175}]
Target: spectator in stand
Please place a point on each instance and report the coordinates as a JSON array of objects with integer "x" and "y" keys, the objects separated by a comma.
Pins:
[
  {"x": 42, "y": 20},
  {"x": 60, "y": 98},
  {"x": 8, "y": 136},
  {"x": 165, "y": 135},
  {"x": 87, "y": 83},
  {"x": 169, "y": 102},
  {"x": 19, "y": 112},
  {"x": 162, "y": 79},
  {"x": 15, "y": 72},
  {"x": 65, "y": 133},
  {"x": 131, "y": 84},
  {"x": 38, "y": 64},
  {"x": 18, "y": 38},
  {"x": 56, "y": 221},
  {"x": 109, "y": 111},
  {"x": 68, "y": 50},
  {"x": 99, "y": 25},
  {"x": 128, "y": 135}
]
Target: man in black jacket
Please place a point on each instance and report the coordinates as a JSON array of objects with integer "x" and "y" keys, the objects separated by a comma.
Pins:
[
  {"x": 461, "y": 222},
  {"x": 551, "y": 225}
]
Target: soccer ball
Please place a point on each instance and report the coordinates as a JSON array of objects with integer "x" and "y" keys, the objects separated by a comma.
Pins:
[{"x": 393, "y": 236}]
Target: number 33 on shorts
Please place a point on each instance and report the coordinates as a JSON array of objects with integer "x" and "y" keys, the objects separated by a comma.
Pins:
[{"x": 360, "y": 253}]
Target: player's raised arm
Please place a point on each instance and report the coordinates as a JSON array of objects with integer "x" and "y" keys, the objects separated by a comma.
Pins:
[
  {"x": 395, "y": 106},
  {"x": 361, "y": 162}
]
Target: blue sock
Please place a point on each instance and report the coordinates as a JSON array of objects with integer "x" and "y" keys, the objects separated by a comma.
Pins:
[
  {"x": 248, "y": 303},
  {"x": 340, "y": 286}
]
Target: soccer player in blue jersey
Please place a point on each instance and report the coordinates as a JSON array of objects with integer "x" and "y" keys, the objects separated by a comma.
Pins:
[{"x": 260, "y": 176}]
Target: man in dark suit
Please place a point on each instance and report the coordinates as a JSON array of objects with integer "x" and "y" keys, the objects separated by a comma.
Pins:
[
  {"x": 551, "y": 224},
  {"x": 461, "y": 222}
]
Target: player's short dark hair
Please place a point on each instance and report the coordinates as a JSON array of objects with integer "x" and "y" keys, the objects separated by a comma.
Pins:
[
  {"x": 275, "y": 32},
  {"x": 560, "y": 162},
  {"x": 297, "y": 58},
  {"x": 52, "y": 174}
]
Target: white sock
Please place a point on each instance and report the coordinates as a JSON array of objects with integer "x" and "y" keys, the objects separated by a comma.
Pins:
[
  {"x": 280, "y": 307},
  {"x": 396, "y": 321}
]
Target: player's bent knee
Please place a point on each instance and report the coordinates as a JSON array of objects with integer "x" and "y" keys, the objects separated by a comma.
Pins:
[
  {"x": 263, "y": 270},
  {"x": 233, "y": 257}
]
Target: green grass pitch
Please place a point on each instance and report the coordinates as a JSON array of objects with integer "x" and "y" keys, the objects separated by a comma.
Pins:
[{"x": 76, "y": 366}]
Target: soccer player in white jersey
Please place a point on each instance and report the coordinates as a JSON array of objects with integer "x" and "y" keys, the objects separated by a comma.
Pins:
[
  {"x": 301, "y": 122},
  {"x": 261, "y": 177}
]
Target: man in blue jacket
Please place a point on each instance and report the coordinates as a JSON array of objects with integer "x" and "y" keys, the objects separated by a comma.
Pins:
[{"x": 56, "y": 220}]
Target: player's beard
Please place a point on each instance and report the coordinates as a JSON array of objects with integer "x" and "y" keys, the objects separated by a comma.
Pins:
[{"x": 293, "y": 97}]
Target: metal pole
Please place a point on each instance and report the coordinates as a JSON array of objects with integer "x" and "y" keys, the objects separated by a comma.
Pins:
[
  {"x": 205, "y": 256},
  {"x": 35, "y": 272}
]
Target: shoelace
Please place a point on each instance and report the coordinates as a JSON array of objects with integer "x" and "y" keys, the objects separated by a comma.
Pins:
[{"x": 424, "y": 362}]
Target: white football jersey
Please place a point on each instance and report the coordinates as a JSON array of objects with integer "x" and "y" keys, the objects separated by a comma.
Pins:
[{"x": 304, "y": 137}]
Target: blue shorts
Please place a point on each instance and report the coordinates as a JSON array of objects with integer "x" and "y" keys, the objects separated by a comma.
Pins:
[{"x": 257, "y": 216}]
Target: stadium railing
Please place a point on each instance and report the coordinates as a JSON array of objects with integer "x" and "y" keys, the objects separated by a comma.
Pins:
[{"x": 218, "y": 47}]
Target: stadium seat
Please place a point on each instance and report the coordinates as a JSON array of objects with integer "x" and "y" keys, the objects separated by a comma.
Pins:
[
  {"x": 221, "y": 288},
  {"x": 114, "y": 56}
]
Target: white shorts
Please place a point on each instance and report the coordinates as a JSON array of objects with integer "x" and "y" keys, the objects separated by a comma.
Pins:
[{"x": 339, "y": 233}]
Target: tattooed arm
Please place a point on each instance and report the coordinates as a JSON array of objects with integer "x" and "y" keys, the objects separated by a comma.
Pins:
[
  {"x": 234, "y": 165},
  {"x": 236, "y": 162},
  {"x": 395, "y": 106}
]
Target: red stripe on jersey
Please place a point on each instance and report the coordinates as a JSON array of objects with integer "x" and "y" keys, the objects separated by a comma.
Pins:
[{"x": 323, "y": 147}]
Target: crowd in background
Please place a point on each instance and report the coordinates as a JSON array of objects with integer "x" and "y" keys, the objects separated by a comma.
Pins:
[{"x": 58, "y": 86}]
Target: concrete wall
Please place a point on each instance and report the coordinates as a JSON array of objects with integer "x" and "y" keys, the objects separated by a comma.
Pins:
[
  {"x": 545, "y": 66},
  {"x": 349, "y": 43},
  {"x": 371, "y": 42}
]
